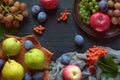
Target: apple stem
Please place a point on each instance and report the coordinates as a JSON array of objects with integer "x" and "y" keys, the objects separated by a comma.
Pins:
[{"x": 100, "y": 18}]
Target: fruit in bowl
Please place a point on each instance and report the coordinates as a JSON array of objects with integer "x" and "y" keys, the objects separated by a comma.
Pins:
[
  {"x": 100, "y": 22},
  {"x": 72, "y": 72}
]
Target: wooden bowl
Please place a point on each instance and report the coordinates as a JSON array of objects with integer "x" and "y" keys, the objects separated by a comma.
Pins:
[{"x": 112, "y": 32}]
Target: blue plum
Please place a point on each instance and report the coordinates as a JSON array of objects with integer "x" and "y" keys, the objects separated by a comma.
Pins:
[
  {"x": 42, "y": 16},
  {"x": 103, "y": 6},
  {"x": 65, "y": 60},
  {"x": 27, "y": 76},
  {"x": 35, "y": 9},
  {"x": 79, "y": 40},
  {"x": 28, "y": 44},
  {"x": 38, "y": 76}
]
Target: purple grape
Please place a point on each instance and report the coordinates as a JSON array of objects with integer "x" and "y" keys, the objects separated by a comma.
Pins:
[
  {"x": 79, "y": 40},
  {"x": 42, "y": 16},
  {"x": 65, "y": 60},
  {"x": 103, "y": 6},
  {"x": 36, "y": 9}
]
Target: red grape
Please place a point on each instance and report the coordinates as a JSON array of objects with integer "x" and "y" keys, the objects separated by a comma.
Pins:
[
  {"x": 114, "y": 20},
  {"x": 117, "y": 5},
  {"x": 16, "y": 24},
  {"x": 23, "y": 6},
  {"x": 116, "y": 12},
  {"x": 17, "y": 4},
  {"x": 9, "y": 18},
  {"x": 111, "y": 3},
  {"x": 110, "y": 12},
  {"x": 25, "y": 13},
  {"x": 11, "y": 2},
  {"x": 1, "y": 16},
  {"x": 19, "y": 17},
  {"x": 13, "y": 9},
  {"x": 8, "y": 24}
]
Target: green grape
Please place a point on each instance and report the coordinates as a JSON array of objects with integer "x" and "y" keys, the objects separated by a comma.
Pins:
[
  {"x": 87, "y": 7},
  {"x": 93, "y": 11},
  {"x": 96, "y": 7}
]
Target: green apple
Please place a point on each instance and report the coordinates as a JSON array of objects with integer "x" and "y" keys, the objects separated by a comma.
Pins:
[
  {"x": 11, "y": 46},
  {"x": 12, "y": 70},
  {"x": 34, "y": 59}
]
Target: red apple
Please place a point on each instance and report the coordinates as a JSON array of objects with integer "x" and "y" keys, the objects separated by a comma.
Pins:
[
  {"x": 72, "y": 72},
  {"x": 100, "y": 21},
  {"x": 49, "y": 4}
]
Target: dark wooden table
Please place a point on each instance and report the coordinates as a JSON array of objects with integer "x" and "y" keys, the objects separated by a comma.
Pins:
[{"x": 59, "y": 37}]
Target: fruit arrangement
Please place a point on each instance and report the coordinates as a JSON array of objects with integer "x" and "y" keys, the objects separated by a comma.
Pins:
[
  {"x": 12, "y": 13},
  {"x": 100, "y": 14},
  {"x": 97, "y": 63},
  {"x": 29, "y": 59}
]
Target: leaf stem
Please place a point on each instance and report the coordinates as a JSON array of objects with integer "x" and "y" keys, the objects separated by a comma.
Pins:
[{"x": 107, "y": 66}]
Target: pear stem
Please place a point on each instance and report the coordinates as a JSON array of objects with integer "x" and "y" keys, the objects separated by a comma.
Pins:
[{"x": 9, "y": 59}]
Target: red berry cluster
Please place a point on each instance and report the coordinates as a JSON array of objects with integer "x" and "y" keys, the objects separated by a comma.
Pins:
[
  {"x": 63, "y": 16},
  {"x": 39, "y": 29},
  {"x": 93, "y": 54}
]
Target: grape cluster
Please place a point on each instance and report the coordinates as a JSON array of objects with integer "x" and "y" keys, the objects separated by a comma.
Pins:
[
  {"x": 87, "y": 7},
  {"x": 12, "y": 13},
  {"x": 114, "y": 11}
]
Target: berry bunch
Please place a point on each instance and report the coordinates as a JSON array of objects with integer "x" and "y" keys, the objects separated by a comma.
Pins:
[
  {"x": 39, "y": 29},
  {"x": 12, "y": 13},
  {"x": 93, "y": 54},
  {"x": 63, "y": 16}
]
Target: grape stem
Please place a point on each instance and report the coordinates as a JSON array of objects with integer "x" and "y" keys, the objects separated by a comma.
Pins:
[{"x": 6, "y": 10}]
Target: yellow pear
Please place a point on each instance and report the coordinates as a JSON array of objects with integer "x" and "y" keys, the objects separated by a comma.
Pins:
[{"x": 12, "y": 70}]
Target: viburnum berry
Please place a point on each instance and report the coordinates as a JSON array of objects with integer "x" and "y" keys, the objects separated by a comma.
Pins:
[
  {"x": 63, "y": 15},
  {"x": 39, "y": 29},
  {"x": 93, "y": 54}
]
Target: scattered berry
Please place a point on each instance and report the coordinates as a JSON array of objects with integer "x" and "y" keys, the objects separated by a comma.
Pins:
[
  {"x": 39, "y": 29},
  {"x": 65, "y": 60},
  {"x": 79, "y": 40},
  {"x": 42, "y": 16},
  {"x": 35, "y": 9},
  {"x": 1, "y": 63},
  {"x": 93, "y": 55},
  {"x": 28, "y": 44},
  {"x": 63, "y": 16},
  {"x": 38, "y": 76},
  {"x": 27, "y": 76}
]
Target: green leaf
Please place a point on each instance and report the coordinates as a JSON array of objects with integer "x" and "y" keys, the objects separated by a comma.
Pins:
[
  {"x": 4, "y": 30},
  {"x": 108, "y": 66}
]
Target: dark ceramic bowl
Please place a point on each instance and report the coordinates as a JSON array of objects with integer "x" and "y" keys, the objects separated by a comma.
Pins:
[{"x": 111, "y": 32}]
